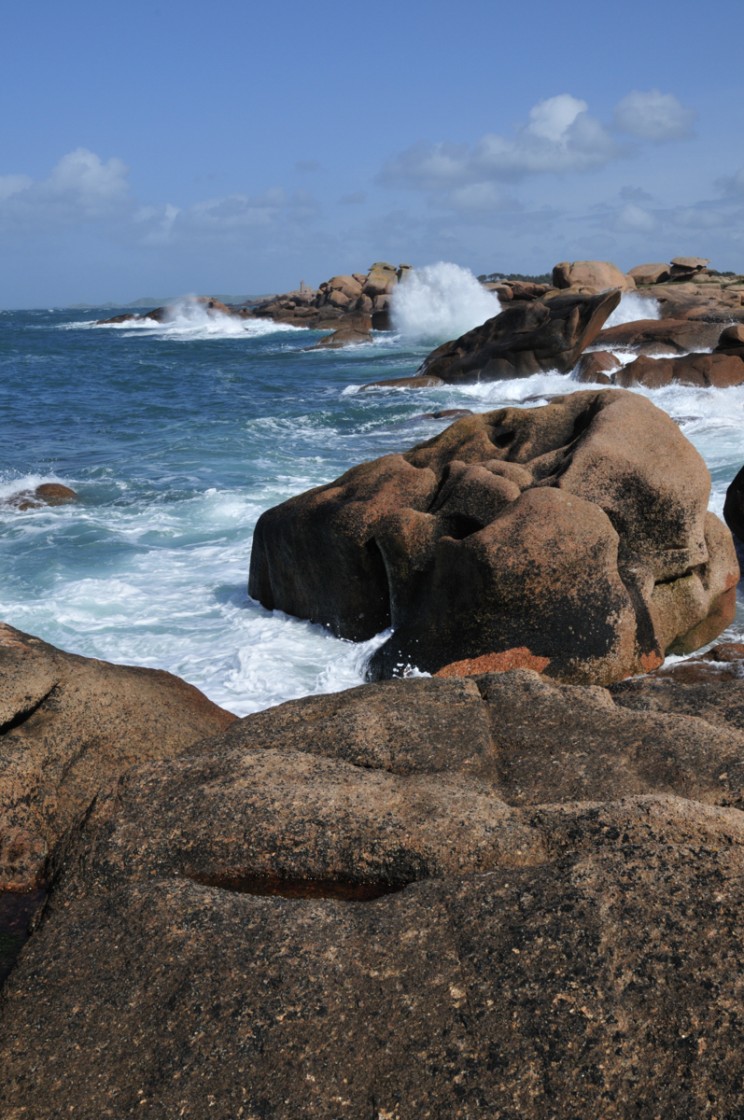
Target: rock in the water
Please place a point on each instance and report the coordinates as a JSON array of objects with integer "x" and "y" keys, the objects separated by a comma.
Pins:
[
  {"x": 660, "y": 336},
  {"x": 718, "y": 371},
  {"x": 356, "y": 329},
  {"x": 526, "y": 338},
  {"x": 46, "y": 494},
  {"x": 596, "y": 367},
  {"x": 560, "y": 529},
  {"x": 591, "y": 276},
  {"x": 68, "y": 725}
]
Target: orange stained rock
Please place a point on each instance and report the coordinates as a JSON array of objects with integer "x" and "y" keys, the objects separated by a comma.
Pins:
[{"x": 519, "y": 657}]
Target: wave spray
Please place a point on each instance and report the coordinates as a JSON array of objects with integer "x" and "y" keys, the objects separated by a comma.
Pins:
[{"x": 439, "y": 302}]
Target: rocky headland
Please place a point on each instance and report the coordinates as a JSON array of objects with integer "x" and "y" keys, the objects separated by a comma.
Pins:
[{"x": 698, "y": 339}]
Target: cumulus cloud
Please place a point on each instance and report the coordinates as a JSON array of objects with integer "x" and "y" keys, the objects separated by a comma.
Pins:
[
  {"x": 635, "y": 218},
  {"x": 80, "y": 187},
  {"x": 232, "y": 216},
  {"x": 559, "y": 135},
  {"x": 653, "y": 115}
]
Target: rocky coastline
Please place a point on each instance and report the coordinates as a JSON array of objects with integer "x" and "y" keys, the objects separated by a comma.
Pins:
[{"x": 511, "y": 888}]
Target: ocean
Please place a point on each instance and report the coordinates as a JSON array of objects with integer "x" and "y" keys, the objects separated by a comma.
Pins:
[{"x": 176, "y": 436}]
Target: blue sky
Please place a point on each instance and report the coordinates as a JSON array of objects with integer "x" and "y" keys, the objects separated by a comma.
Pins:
[{"x": 161, "y": 148}]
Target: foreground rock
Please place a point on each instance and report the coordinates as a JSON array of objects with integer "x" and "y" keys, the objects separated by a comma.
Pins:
[
  {"x": 559, "y": 529},
  {"x": 465, "y": 899},
  {"x": 68, "y": 725}
]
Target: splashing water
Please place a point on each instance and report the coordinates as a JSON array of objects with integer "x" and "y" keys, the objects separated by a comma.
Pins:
[
  {"x": 633, "y": 306},
  {"x": 439, "y": 302},
  {"x": 189, "y": 319}
]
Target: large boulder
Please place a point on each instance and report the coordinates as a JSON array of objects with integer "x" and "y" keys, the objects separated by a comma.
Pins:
[
  {"x": 527, "y": 337},
  {"x": 644, "y": 274},
  {"x": 68, "y": 725},
  {"x": 461, "y": 899},
  {"x": 560, "y": 529},
  {"x": 591, "y": 277}
]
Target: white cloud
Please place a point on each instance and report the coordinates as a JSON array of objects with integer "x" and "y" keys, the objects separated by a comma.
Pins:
[
  {"x": 83, "y": 177},
  {"x": 479, "y": 197},
  {"x": 558, "y": 136},
  {"x": 551, "y": 119},
  {"x": 653, "y": 115},
  {"x": 635, "y": 218},
  {"x": 13, "y": 184},
  {"x": 80, "y": 187}
]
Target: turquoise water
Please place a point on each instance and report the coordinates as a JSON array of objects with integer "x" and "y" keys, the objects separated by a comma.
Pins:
[{"x": 176, "y": 437}]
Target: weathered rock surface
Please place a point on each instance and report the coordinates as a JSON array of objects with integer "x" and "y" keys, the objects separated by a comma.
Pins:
[
  {"x": 717, "y": 371},
  {"x": 591, "y": 277},
  {"x": 335, "y": 300},
  {"x": 68, "y": 725},
  {"x": 559, "y": 529},
  {"x": 466, "y": 899},
  {"x": 710, "y": 686},
  {"x": 596, "y": 366},
  {"x": 644, "y": 274},
  {"x": 660, "y": 337},
  {"x": 527, "y": 337}
]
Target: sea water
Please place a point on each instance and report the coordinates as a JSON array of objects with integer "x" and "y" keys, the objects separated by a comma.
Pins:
[{"x": 176, "y": 436}]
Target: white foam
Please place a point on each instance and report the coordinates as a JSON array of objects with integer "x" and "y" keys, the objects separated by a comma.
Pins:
[
  {"x": 632, "y": 307},
  {"x": 10, "y": 487},
  {"x": 438, "y": 302},
  {"x": 189, "y": 319}
]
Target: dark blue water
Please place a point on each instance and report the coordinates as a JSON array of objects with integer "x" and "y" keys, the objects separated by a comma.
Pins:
[{"x": 176, "y": 437}]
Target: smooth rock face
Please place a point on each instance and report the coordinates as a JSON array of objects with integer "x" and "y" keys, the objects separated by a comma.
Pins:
[
  {"x": 68, "y": 725},
  {"x": 559, "y": 529},
  {"x": 427, "y": 898},
  {"x": 591, "y": 276},
  {"x": 526, "y": 338},
  {"x": 650, "y": 273}
]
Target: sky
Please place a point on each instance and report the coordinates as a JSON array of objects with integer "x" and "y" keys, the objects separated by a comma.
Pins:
[{"x": 157, "y": 149}]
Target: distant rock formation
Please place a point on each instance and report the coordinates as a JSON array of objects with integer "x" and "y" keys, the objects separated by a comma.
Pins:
[
  {"x": 330, "y": 305},
  {"x": 558, "y": 529}
]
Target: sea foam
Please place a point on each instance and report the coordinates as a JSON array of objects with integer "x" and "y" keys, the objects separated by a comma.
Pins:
[
  {"x": 438, "y": 302},
  {"x": 633, "y": 306}
]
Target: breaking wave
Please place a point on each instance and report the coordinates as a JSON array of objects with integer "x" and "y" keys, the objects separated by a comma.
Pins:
[{"x": 439, "y": 302}]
